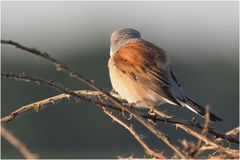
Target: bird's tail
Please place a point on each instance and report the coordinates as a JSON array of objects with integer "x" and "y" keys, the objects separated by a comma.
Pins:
[{"x": 193, "y": 106}]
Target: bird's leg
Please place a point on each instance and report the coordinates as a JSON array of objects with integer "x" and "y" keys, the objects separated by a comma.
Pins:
[
  {"x": 152, "y": 113},
  {"x": 134, "y": 104}
]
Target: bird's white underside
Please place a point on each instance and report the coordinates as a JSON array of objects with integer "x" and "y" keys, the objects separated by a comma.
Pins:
[{"x": 132, "y": 90}]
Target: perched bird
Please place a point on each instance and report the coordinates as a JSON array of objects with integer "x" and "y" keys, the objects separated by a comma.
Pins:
[{"x": 140, "y": 72}]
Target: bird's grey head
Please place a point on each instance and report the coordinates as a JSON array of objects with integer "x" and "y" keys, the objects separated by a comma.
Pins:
[{"x": 119, "y": 38}]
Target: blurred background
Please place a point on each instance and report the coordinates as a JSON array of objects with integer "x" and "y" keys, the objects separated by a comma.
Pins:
[{"x": 201, "y": 39}]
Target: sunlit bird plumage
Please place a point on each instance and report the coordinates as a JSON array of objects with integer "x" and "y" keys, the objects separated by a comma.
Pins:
[{"x": 140, "y": 72}]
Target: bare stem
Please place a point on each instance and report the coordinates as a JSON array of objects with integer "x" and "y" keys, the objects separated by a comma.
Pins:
[
  {"x": 234, "y": 131},
  {"x": 136, "y": 136},
  {"x": 96, "y": 97},
  {"x": 228, "y": 151},
  {"x": 20, "y": 147},
  {"x": 204, "y": 130},
  {"x": 116, "y": 103},
  {"x": 201, "y": 137}
]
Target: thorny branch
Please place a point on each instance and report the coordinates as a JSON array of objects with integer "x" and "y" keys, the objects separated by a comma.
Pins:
[
  {"x": 137, "y": 137},
  {"x": 115, "y": 103},
  {"x": 97, "y": 98},
  {"x": 201, "y": 137},
  {"x": 61, "y": 88},
  {"x": 231, "y": 152},
  {"x": 195, "y": 124},
  {"x": 94, "y": 97},
  {"x": 204, "y": 130},
  {"x": 234, "y": 131}
]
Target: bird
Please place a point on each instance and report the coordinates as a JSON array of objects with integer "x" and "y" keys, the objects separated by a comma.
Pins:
[{"x": 140, "y": 73}]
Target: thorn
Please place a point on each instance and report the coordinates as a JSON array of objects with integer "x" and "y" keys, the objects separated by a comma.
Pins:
[{"x": 58, "y": 67}]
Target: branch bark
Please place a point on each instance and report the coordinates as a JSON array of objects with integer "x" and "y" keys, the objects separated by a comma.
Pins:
[
  {"x": 115, "y": 101},
  {"x": 136, "y": 136},
  {"x": 115, "y": 104},
  {"x": 230, "y": 152},
  {"x": 97, "y": 98}
]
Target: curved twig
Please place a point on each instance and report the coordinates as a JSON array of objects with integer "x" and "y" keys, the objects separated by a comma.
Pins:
[
  {"x": 96, "y": 98},
  {"x": 202, "y": 137},
  {"x": 229, "y": 151},
  {"x": 115, "y": 101},
  {"x": 204, "y": 130},
  {"x": 68, "y": 92},
  {"x": 118, "y": 105},
  {"x": 136, "y": 136},
  {"x": 17, "y": 144}
]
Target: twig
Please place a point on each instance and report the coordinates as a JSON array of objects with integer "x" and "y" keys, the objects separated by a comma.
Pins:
[
  {"x": 229, "y": 151},
  {"x": 136, "y": 136},
  {"x": 88, "y": 95},
  {"x": 61, "y": 88},
  {"x": 204, "y": 130},
  {"x": 96, "y": 98},
  {"x": 203, "y": 138},
  {"x": 38, "y": 105},
  {"x": 197, "y": 125},
  {"x": 115, "y": 101},
  {"x": 20, "y": 147},
  {"x": 234, "y": 131},
  {"x": 170, "y": 119},
  {"x": 81, "y": 78},
  {"x": 218, "y": 157},
  {"x": 206, "y": 148}
]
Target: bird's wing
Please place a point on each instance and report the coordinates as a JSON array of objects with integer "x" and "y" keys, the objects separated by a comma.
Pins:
[{"x": 147, "y": 64}]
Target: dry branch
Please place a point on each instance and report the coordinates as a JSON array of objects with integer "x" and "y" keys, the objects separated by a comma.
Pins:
[
  {"x": 16, "y": 143},
  {"x": 195, "y": 124},
  {"x": 204, "y": 130},
  {"x": 92, "y": 96},
  {"x": 61, "y": 88},
  {"x": 97, "y": 98},
  {"x": 115, "y": 101},
  {"x": 202, "y": 137},
  {"x": 136, "y": 136},
  {"x": 234, "y": 131},
  {"x": 230, "y": 152}
]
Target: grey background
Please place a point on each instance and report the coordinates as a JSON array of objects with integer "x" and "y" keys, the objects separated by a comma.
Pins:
[{"x": 201, "y": 39}]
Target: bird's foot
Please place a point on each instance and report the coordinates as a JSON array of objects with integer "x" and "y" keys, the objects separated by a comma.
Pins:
[
  {"x": 152, "y": 111},
  {"x": 133, "y": 105},
  {"x": 153, "y": 115}
]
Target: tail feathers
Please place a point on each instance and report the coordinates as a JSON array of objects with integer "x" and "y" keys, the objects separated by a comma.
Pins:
[{"x": 199, "y": 110}]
